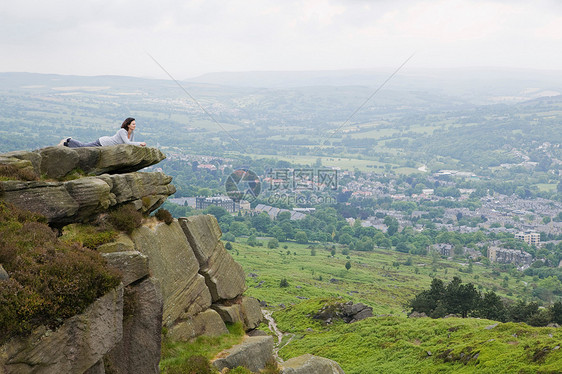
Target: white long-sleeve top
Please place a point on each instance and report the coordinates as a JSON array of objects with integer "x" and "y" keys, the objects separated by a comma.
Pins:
[{"x": 119, "y": 138}]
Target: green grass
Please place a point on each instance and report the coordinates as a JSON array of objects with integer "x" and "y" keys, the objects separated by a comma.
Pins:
[
  {"x": 176, "y": 353},
  {"x": 546, "y": 187},
  {"x": 372, "y": 279},
  {"x": 394, "y": 344}
]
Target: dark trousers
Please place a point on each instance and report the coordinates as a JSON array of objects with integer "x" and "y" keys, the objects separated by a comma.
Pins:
[{"x": 73, "y": 143}]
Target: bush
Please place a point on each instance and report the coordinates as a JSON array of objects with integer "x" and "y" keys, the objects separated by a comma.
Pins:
[
  {"x": 228, "y": 246},
  {"x": 87, "y": 235},
  {"x": 273, "y": 243},
  {"x": 284, "y": 283},
  {"x": 12, "y": 172},
  {"x": 164, "y": 216},
  {"x": 125, "y": 218},
  {"x": 229, "y": 237},
  {"x": 49, "y": 280}
]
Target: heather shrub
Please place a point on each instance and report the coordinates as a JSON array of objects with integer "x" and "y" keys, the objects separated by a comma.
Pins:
[
  {"x": 10, "y": 172},
  {"x": 49, "y": 280},
  {"x": 89, "y": 236},
  {"x": 164, "y": 216},
  {"x": 125, "y": 218}
]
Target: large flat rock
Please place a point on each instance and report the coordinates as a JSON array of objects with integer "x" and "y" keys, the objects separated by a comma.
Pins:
[
  {"x": 74, "y": 347},
  {"x": 59, "y": 162}
]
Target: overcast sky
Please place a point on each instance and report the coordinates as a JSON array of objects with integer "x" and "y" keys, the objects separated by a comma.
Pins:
[{"x": 192, "y": 37}]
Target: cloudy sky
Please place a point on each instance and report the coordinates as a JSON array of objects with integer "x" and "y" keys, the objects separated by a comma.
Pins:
[{"x": 192, "y": 37}]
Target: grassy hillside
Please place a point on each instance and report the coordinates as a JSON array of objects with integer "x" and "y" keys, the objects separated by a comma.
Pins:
[
  {"x": 383, "y": 279},
  {"x": 390, "y": 342},
  {"x": 393, "y": 344}
]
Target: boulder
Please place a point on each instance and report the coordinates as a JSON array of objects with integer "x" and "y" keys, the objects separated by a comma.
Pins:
[
  {"x": 3, "y": 274},
  {"x": 229, "y": 313},
  {"x": 207, "y": 323},
  {"x": 81, "y": 200},
  {"x": 203, "y": 233},
  {"x": 57, "y": 162},
  {"x": 74, "y": 347},
  {"x": 133, "y": 265},
  {"x": 251, "y": 312},
  {"x": 309, "y": 364},
  {"x": 356, "y": 312},
  {"x": 224, "y": 276},
  {"x": 139, "y": 350},
  {"x": 417, "y": 315},
  {"x": 172, "y": 261},
  {"x": 253, "y": 353}
]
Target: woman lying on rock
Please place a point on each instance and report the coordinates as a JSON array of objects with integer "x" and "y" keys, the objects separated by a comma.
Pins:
[{"x": 125, "y": 135}]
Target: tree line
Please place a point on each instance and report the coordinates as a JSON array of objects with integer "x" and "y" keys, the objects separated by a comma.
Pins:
[{"x": 465, "y": 300}]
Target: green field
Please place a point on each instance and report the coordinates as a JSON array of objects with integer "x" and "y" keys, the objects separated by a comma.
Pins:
[
  {"x": 379, "y": 278},
  {"x": 390, "y": 342}
]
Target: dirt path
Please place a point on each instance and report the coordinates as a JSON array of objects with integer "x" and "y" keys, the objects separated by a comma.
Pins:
[{"x": 280, "y": 335}]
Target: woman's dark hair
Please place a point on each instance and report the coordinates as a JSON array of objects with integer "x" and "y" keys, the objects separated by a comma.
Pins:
[{"x": 126, "y": 123}]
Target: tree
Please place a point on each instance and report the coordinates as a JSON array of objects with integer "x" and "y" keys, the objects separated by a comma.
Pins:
[
  {"x": 348, "y": 265},
  {"x": 273, "y": 243},
  {"x": 261, "y": 222},
  {"x": 460, "y": 298},
  {"x": 228, "y": 246},
  {"x": 490, "y": 306},
  {"x": 284, "y": 216},
  {"x": 556, "y": 312},
  {"x": 229, "y": 237},
  {"x": 301, "y": 237},
  {"x": 252, "y": 241},
  {"x": 217, "y": 211}
]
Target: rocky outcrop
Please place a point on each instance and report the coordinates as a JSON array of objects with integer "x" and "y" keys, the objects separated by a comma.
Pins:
[
  {"x": 253, "y": 353},
  {"x": 348, "y": 312},
  {"x": 139, "y": 350},
  {"x": 82, "y": 200},
  {"x": 224, "y": 276},
  {"x": 177, "y": 275},
  {"x": 74, "y": 347},
  {"x": 173, "y": 262},
  {"x": 309, "y": 364},
  {"x": 59, "y": 162}
]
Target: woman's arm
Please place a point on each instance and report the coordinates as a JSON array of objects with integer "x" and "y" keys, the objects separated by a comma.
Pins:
[{"x": 123, "y": 137}]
